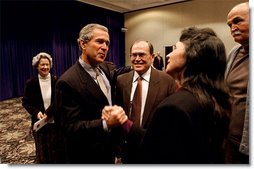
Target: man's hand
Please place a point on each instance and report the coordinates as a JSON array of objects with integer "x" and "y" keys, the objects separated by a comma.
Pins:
[
  {"x": 40, "y": 115},
  {"x": 114, "y": 116}
]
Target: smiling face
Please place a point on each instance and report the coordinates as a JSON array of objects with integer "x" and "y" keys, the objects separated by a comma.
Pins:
[
  {"x": 238, "y": 21},
  {"x": 176, "y": 61},
  {"x": 95, "y": 51},
  {"x": 141, "y": 58},
  {"x": 43, "y": 67}
]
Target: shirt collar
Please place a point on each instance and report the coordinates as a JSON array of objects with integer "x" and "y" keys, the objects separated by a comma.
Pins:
[
  {"x": 45, "y": 78},
  {"x": 88, "y": 68},
  {"x": 146, "y": 76}
]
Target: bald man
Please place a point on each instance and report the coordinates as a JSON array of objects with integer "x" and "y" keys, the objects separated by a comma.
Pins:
[{"x": 237, "y": 78}]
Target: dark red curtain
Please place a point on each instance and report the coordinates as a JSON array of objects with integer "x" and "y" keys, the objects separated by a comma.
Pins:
[{"x": 30, "y": 27}]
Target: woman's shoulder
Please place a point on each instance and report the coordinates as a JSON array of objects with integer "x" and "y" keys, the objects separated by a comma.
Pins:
[
  {"x": 31, "y": 80},
  {"x": 182, "y": 100},
  {"x": 180, "y": 96}
]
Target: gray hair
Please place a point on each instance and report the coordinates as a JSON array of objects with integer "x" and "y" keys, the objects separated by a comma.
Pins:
[
  {"x": 38, "y": 57},
  {"x": 86, "y": 33}
]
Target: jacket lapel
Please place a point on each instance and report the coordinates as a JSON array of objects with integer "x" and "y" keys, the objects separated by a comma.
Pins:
[
  {"x": 127, "y": 91},
  {"x": 231, "y": 58},
  {"x": 151, "y": 95},
  {"x": 37, "y": 89},
  {"x": 89, "y": 85}
]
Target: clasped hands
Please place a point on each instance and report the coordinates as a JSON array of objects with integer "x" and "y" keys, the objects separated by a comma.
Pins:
[{"x": 114, "y": 116}]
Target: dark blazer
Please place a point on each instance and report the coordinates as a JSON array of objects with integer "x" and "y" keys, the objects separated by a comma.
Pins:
[
  {"x": 158, "y": 65},
  {"x": 182, "y": 131},
  {"x": 32, "y": 99},
  {"x": 161, "y": 85},
  {"x": 79, "y": 102}
]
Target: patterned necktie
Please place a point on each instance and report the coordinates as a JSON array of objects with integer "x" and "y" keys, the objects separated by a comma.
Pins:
[
  {"x": 101, "y": 82},
  {"x": 136, "y": 103}
]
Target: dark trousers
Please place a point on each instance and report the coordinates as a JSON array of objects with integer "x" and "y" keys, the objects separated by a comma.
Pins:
[{"x": 48, "y": 145}]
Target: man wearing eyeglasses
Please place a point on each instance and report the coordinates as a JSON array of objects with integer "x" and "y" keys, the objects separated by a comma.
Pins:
[{"x": 156, "y": 85}]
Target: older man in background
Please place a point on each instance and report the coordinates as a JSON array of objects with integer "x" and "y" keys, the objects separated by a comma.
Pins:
[{"x": 237, "y": 77}]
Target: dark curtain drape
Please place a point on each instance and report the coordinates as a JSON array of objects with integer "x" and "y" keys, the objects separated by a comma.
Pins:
[{"x": 30, "y": 27}]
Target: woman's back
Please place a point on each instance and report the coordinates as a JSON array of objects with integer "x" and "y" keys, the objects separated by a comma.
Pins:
[{"x": 182, "y": 132}]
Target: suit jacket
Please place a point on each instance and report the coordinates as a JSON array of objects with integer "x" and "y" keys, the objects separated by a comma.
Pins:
[
  {"x": 231, "y": 58},
  {"x": 239, "y": 96},
  {"x": 158, "y": 65},
  {"x": 79, "y": 102},
  {"x": 238, "y": 136},
  {"x": 161, "y": 85},
  {"x": 182, "y": 131},
  {"x": 32, "y": 99}
]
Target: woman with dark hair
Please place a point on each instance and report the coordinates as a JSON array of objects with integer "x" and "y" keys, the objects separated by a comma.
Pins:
[
  {"x": 189, "y": 126},
  {"x": 176, "y": 61}
]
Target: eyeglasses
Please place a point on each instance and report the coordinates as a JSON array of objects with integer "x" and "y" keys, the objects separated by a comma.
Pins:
[{"x": 141, "y": 55}]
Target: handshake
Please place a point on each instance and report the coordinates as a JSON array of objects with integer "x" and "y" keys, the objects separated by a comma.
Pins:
[{"x": 114, "y": 116}]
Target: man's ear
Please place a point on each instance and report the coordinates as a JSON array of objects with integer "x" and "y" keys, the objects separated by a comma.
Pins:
[{"x": 82, "y": 44}]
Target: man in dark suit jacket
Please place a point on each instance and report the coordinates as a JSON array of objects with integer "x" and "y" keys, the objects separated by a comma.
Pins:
[
  {"x": 158, "y": 61},
  {"x": 80, "y": 100},
  {"x": 156, "y": 86}
]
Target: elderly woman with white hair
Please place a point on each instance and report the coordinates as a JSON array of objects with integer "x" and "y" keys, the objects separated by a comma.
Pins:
[{"x": 38, "y": 100}]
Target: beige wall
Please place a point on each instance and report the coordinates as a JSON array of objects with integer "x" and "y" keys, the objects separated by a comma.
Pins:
[{"x": 162, "y": 25}]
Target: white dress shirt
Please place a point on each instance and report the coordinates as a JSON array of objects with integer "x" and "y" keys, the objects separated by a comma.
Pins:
[{"x": 145, "y": 85}]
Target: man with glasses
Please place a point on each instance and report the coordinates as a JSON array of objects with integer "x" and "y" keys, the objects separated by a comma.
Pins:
[{"x": 155, "y": 86}]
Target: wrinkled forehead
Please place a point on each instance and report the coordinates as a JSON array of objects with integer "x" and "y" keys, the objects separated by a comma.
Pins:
[
  {"x": 140, "y": 46},
  {"x": 241, "y": 10}
]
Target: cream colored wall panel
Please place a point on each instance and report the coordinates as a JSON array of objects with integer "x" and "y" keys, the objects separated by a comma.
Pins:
[{"x": 163, "y": 25}]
